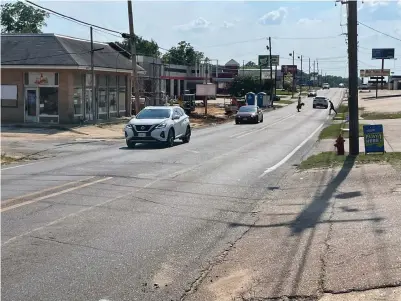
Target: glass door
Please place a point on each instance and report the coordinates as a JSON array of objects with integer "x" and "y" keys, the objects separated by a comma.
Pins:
[
  {"x": 88, "y": 104},
  {"x": 31, "y": 105}
]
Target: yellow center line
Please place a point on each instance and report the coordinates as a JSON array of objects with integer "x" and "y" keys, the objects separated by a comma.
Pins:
[{"x": 55, "y": 194}]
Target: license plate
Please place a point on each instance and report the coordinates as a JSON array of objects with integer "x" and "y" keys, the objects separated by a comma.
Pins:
[
  {"x": 141, "y": 135},
  {"x": 245, "y": 118}
]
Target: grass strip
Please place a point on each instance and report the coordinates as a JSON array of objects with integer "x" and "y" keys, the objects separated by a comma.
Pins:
[{"x": 330, "y": 159}]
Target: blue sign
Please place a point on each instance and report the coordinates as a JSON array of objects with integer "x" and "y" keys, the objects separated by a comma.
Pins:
[
  {"x": 374, "y": 138},
  {"x": 310, "y": 83},
  {"x": 382, "y": 53}
]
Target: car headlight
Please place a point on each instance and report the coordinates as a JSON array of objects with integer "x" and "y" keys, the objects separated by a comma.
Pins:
[
  {"x": 128, "y": 125},
  {"x": 162, "y": 125}
]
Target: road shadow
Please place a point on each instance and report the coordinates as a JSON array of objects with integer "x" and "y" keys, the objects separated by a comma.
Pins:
[
  {"x": 310, "y": 216},
  {"x": 149, "y": 146},
  {"x": 382, "y": 96},
  {"x": 348, "y": 195}
]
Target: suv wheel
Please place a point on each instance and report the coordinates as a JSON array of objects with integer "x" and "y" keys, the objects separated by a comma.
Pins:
[
  {"x": 187, "y": 136},
  {"x": 130, "y": 144},
  {"x": 170, "y": 138}
]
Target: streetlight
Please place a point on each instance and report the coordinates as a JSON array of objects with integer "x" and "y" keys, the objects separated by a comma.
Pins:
[
  {"x": 293, "y": 73},
  {"x": 300, "y": 84}
]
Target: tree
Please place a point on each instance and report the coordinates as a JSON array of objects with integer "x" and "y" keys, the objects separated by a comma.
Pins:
[
  {"x": 288, "y": 82},
  {"x": 19, "y": 17},
  {"x": 242, "y": 85},
  {"x": 183, "y": 54},
  {"x": 250, "y": 64},
  {"x": 143, "y": 47}
]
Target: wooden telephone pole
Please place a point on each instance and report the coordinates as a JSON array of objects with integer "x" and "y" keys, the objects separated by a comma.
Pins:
[{"x": 135, "y": 82}]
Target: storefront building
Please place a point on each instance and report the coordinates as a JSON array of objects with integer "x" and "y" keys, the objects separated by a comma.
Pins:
[{"x": 57, "y": 87}]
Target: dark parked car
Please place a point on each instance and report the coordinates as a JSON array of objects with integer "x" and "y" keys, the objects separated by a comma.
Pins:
[{"x": 251, "y": 114}]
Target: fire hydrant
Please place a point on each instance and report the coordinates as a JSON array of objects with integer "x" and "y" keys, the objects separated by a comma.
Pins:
[{"x": 340, "y": 145}]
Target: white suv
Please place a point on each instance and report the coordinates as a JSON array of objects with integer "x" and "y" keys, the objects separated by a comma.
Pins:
[
  {"x": 326, "y": 86},
  {"x": 158, "y": 124},
  {"x": 320, "y": 101}
]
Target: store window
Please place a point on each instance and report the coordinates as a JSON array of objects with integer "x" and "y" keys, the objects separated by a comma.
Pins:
[
  {"x": 122, "y": 88},
  {"x": 102, "y": 97},
  {"x": 89, "y": 105},
  {"x": 48, "y": 104},
  {"x": 78, "y": 95},
  {"x": 113, "y": 98}
]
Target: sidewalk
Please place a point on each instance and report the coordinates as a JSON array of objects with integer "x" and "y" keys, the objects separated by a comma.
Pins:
[{"x": 319, "y": 232}]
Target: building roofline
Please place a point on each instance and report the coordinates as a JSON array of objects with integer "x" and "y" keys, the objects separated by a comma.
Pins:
[{"x": 49, "y": 35}]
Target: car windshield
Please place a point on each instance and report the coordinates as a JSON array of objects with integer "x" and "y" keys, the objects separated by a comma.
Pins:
[
  {"x": 247, "y": 109},
  {"x": 153, "y": 114}
]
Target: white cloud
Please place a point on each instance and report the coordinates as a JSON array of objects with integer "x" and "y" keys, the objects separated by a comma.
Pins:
[
  {"x": 227, "y": 24},
  {"x": 274, "y": 17},
  {"x": 374, "y": 3},
  {"x": 306, "y": 21},
  {"x": 199, "y": 24}
]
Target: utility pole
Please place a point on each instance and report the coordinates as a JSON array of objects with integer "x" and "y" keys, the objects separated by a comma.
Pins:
[
  {"x": 314, "y": 72},
  {"x": 300, "y": 83},
  {"x": 205, "y": 82},
  {"x": 309, "y": 74},
  {"x": 92, "y": 105},
  {"x": 271, "y": 70},
  {"x": 135, "y": 82},
  {"x": 317, "y": 68},
  {"x": 260, "y": 76},
  {"x": 383, "y": 70},
  {"x": 353, "y": 78},
  {"x": 294, "y": 73}
]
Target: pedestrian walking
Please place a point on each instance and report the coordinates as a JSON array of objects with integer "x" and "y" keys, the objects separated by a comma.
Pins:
[
  {"x": 300, "y": 103},
  {"x": 332, "y": 108}
]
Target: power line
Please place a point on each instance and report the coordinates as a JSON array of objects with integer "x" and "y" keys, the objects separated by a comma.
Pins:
[
  {"x": 71, "y": 18},
  {"x": 378, "y": 31},
  {"x": 306, "y": 38}
]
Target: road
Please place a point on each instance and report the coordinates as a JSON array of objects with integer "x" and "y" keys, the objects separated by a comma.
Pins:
[{"x": 143, "y": 224}]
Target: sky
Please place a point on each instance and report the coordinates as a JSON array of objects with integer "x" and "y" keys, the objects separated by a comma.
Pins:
[{"x": 239, "y": 30}]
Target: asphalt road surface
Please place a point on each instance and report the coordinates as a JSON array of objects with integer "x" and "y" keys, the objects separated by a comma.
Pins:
[{"x": 143, "y": 224}]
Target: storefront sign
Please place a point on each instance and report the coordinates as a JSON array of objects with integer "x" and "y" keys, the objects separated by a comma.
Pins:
[
  {"x": 374, "y": 72},
  {"x": 374, "y": 138},
  {"x": 42, "y": 78}
]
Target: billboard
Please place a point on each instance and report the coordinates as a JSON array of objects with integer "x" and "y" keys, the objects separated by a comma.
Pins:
[
  {"x": 289, "y": 69},
  {"x": 256, "y": 73},
  {"x": 374, "y": 72},
  {"x": 382, "y": 53},
  {"x": 264, "y": 60},
  {"x": 206, "y": 89}
]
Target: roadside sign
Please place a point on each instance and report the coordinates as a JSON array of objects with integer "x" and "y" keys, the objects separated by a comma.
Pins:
[
  {"x": 382, "y": 53},
  {"x": 206, "y": 89},
  {"x": 289, "y": 69},
  {"x": 374, "y": 138},
  {"x": 374, "y": 72},
  {"x": 264, "y": 60}
]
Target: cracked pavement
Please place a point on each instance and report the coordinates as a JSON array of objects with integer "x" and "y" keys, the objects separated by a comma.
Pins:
[
  {"x": 327, "y": 233},
  {"x": 197, "y": 221}
]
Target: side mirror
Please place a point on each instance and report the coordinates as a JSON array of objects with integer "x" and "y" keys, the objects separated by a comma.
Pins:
[{"x": 175, "y": 117}]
